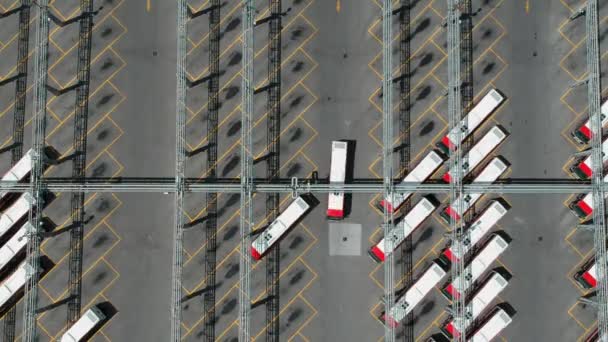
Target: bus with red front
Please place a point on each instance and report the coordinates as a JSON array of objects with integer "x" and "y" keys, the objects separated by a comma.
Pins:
[
  {"x": 337, "y": 174},
  {"x": 427, "y": 166},
  {"x": 583, "y": 168},
  {"x": 477, "y": 230},
  {"x": 587, "y": 276},
  {"x": 583, "y": 205},
  {"x": 476, "y": 305},
  {"x": 594, "y": 336},
  {"x": 498, "y": 320},
  {"x": 414, "y": 295},
  {"x": 412, "y": 220},
  {"x": 490, "y": 174},
  {"x": 476, "y": 267},
  {"x": 472, "y": 120},
  {"x": 582, "y": 135},
  {"x": 479, "y": 152},
  {"x": 282, "y": 224}
]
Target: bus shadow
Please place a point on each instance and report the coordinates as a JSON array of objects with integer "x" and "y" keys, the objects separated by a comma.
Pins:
[{"x": 349, "y": 175}]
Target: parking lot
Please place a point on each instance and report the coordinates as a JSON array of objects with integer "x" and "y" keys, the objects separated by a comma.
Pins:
[{"x": 331, "y": 89}]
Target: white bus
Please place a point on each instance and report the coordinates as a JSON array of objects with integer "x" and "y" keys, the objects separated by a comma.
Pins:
[
  {"x": 412, "y": 220},
  {"x": 414, "y": 295},
  {"x": 583, "y": 134},
  {"x": 337, "y": 174},
  {"x": 477, "y": 230},
  {"x": 420, "y": 173},
  {"x": 492, "y": 326},
  {"x": 15, "y": 245},
  {"x": 279, "y": 227},
  {"x": 472, "y": 120},
  {"x": 84, "y": 326},
  {"x": 480, "y": 301},
  {"x": 587, "y": 276},
  {"x": 583, "y": 205},
  {"x": 479, "y": 152},
  {"x": 583, "y": 169},
  {"x": 18, "y": 172},
  {"x": 475, "y": 269},
  {"x": 490, "y": 174},
  {"x": 15, "y": 213},
  {"x": 14, "y": 283}
]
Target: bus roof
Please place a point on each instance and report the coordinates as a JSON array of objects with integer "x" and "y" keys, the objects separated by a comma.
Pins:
[
  {"x": 91, "y": 318},
  {"x": 480, "y": 227},
  {"x": 14, "y": 283},
  {"x": 339, "y": 150},
  {"x": 15, "y": 212},
  {"x": 414, "y": 295},
  {"x": 492, "y": 327}
]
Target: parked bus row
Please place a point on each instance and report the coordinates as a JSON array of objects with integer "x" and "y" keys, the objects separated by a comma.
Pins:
[
  {"x": 479, "y": 227},
  {"x": 478, "y": 257},
  {"x": 14, "y": 235}
]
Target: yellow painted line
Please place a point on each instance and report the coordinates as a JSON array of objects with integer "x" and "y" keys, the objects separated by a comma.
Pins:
[
  {"x": 217, "y": 303},
  {"x": 148, "y": 6},
  {"x": 338, "y": 6},
  {"x": 574, "y": 318},
  {"x": 527, "y": 6}
]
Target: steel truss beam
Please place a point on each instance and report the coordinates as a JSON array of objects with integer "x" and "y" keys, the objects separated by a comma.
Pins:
[
  {"x": 245, "y": 186},
  {"x": 36, "y": 189},
  {"x": 361, "y": 186},
  {"x": 79, "y": 161},
  {"x": 180, "y": 166},
  {"x": 599, "y": 212},
  {"x": 273, "y": 130},
  {"x": 387, "y": 156}
]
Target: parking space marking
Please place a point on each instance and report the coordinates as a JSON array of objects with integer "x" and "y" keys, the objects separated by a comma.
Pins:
[
  {"x": 308, "y": 320},
  {"x": 574, "y": 317},
  {"x": 398, "y": 36},
  {"x": 99, "y": 259}
]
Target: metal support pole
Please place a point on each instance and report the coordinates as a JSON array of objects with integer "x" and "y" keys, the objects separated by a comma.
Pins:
[
  {"x": 21, "y": 83},
  {"x": 273, "y": 165},
  {"x": 18, "y": 126},
  {"x": 212, "y": 123},
  {"x": 455, "y": 115},
  {"x": 599, "y": 212},
  {"x": 180, "y": 165},
  {"x": 405, "y": 126},
  {"x": 246, "y": 180},
  {"x": 387, "y": 156},
  {"x": 38, "y": 140},
  {"x": 79, "y": 161}
]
